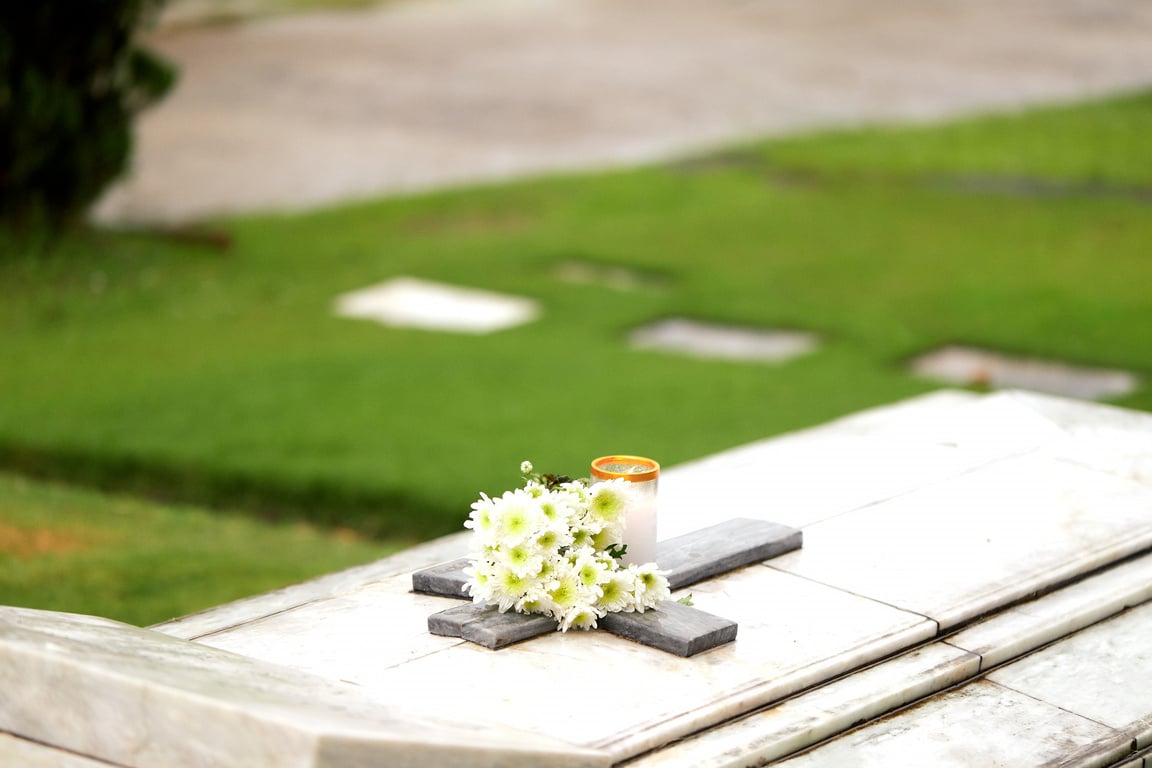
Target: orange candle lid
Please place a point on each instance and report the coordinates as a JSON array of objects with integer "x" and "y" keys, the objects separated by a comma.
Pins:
[{"x": 635, "y": 468}]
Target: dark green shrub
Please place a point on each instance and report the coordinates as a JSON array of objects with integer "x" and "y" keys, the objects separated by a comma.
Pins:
[{"x": 71, "y": 80}]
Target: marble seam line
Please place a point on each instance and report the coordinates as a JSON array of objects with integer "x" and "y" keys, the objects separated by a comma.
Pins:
[
  {"x": 620, "y": 740},
  {"x": 1119, "y": 731},
  {"x": 811, "y": 580},
  {"x": 64, "y": 750},
  {"x": 262, "y": 617},
  {"x": 1076, "y": 626},
  {"x": 286, "y": 609}
]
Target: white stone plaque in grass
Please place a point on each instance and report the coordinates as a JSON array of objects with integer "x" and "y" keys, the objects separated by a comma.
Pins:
[
  {"x": 972, "y": 366},
  {"x": 708, "y": 340},
  {"x": 413, "y": 303}
]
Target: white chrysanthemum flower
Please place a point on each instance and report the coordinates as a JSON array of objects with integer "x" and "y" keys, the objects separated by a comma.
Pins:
[
  {"x": 508, "y": 587},
  {"x": 651, "y": 586},
  {"x": 591, "y": 572},
  {"x": 608, "y": 501},
  {"x": 581, "y": 617},
  {"x": 517, "y": 517},
  {"x": 618, "y": 592},
  {"x": 574, "y": 493},
  {"x": 482, "y": 520},
  {"x": 479, "y": 584},
  {"x": 608, "y": 537},
  {"x": 523, "y": 559},
  {"x": 525, "y": 467},
  {"x": 565, "y": 593},
  {"x": 545, "y": 550},
  {"x": 536, "y": 599}
]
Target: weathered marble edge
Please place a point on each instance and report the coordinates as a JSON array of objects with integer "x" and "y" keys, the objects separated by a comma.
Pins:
[
  {"x": 21, "y": 753},
  {"x": 1025, "y": 627},
  {"x": 811, "y": 717},
  {"x": 219, "y": 708}
]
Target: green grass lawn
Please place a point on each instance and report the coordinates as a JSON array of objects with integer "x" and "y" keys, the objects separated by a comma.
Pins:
[
  {"x": 71, "y": 550},
  {"x": 133, "y": 362}
]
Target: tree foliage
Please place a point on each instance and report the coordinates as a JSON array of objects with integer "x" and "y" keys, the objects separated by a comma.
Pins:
[{"x": 72, "y": 77}]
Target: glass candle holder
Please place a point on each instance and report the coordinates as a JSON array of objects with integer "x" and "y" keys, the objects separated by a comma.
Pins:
[{"x": 640, "y": 517}]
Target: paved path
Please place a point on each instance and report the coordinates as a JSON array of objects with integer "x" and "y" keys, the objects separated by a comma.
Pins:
[{"x": 300, "y": 111}]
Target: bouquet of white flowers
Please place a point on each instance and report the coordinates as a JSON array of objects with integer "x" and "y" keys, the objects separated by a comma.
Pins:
[{"x": 553, "y": 547}]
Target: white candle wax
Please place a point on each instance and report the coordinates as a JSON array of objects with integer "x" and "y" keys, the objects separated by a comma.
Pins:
[{"x": 640, "y": 527}]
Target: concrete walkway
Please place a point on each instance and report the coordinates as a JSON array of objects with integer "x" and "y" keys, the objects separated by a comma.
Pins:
[{"x": 301, "y": 111}]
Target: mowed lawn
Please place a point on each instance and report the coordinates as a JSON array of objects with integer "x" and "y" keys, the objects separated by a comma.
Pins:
[
  {"x": 147, "y": 364},
  {"x": 73, "y": 550}
]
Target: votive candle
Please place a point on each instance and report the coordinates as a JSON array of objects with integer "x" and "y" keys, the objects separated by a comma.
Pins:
[{"x": 642, "y": 475}]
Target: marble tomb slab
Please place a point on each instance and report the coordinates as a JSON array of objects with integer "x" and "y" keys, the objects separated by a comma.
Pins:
[
  {"x": 787, "y": 480},
  {"x": 29, "y": 754},
  {"x": 249, "y": 609},
  {"x": 802, "y": 721},
  {"x": 978, "y": 725},
  {"x": 1027, "y": 626},
  {"x": 723, "y": 342},
  {"x": 415, "y": 303},
  {"x": 793, "y": 634},
  {"x": 380, "y": 623},
  {"x": 819, "y": 714},
  {"x": 1103, "y": 673},
  {"x": 964, "y": 546},
  {"x": 131, "y": 696},
  {"x": 969, "y": 365}
]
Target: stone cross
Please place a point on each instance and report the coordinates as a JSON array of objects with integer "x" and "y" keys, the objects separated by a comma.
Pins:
[{"x": 673, "y": 627}]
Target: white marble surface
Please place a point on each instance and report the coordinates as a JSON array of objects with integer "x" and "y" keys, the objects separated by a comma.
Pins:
[
  {"x": 793, "y": 634},
  {"x": 21, "y": 753},
  {"x": 873, "y": 456},
  {"x": 331, "y": 585},
  {"x": 801, "y": 722},
  {"x": 803, "y": 479},
  {"x": 958, "y": 548},
  {"x": 816, "y": 715},
  {"x": 1103, "y": 673},
  {"x": 976, "y": 726},
  {"x": 1027, "y": 626},
  {"x": 136, "y": 697}
]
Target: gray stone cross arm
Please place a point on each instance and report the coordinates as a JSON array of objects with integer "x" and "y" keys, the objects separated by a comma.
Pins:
[{"x": 675, "y": 628}]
